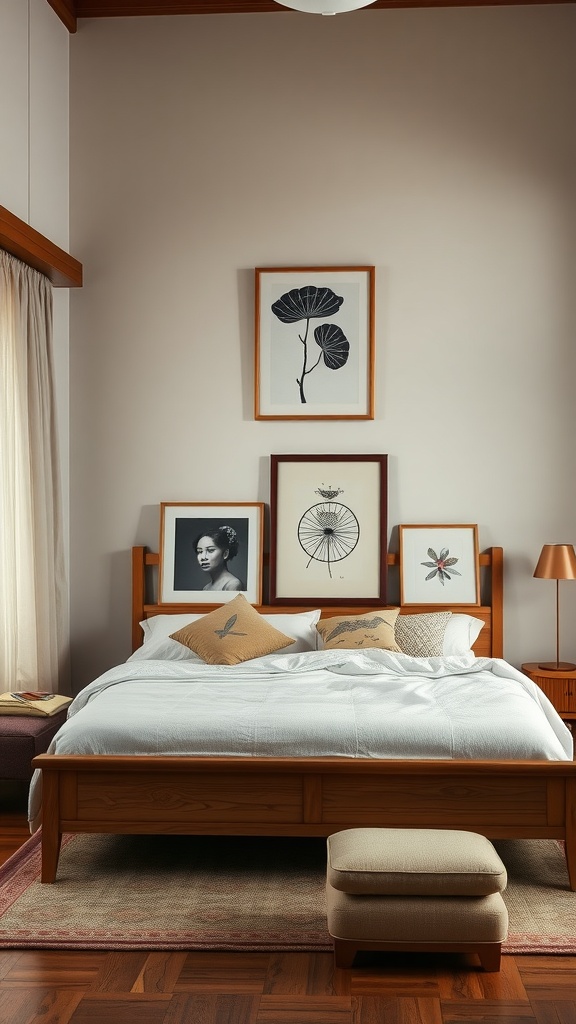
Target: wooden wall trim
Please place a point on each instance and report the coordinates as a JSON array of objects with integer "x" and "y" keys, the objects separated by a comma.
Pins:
[
  {"x": 34, "y": 249},
  {"x": 66, "y": 11},
  {"x": 139, "y": 8}
]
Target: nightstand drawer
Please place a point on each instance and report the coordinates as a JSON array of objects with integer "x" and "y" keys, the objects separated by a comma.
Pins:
[{"x": 559, "y": 687}]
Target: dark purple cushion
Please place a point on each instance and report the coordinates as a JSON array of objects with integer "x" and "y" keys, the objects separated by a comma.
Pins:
[{"x": 21, "y": 738}]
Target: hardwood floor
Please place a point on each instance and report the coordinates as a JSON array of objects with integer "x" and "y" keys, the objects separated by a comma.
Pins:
[{"x": 64, "y": 987}]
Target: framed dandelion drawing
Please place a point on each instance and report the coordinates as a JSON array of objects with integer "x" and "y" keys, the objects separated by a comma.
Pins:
[
  {"x": 328, "y": 540},
  {"x": 439, "y": 565},
  {"x": 314, "y": 343}
]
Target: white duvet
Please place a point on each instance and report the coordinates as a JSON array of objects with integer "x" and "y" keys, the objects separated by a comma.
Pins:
[{"x": 370, "y": 704}]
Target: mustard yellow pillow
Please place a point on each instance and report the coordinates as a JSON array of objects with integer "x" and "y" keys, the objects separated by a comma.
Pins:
[
  {"x": 232, "y": 634},
  {"x": 370, "y": 629}
]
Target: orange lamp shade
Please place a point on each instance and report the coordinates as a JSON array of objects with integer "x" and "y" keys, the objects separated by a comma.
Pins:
[{"x": 556, "y": 562}]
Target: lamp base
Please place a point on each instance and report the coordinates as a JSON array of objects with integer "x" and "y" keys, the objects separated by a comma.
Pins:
[{"x": 557, "y": 666}]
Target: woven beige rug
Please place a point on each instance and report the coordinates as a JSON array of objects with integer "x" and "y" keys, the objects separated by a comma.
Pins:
[{"x": 232, "y": 893}]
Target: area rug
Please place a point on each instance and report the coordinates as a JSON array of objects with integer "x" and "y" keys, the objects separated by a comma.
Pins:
[{"x": 232, "y": 893}]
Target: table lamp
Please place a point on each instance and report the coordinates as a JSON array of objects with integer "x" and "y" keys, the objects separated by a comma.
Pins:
[{"x": 557, "y": 562}]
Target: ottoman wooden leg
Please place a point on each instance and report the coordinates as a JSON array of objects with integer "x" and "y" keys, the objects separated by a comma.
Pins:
[
  {"x": 344, "y": 952},
  {"x": 490, "y": 956},
  {"x": 489, "y": 953}
]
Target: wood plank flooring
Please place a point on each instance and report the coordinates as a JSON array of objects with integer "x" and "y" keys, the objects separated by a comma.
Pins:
[{"x": 87, "y": 987}]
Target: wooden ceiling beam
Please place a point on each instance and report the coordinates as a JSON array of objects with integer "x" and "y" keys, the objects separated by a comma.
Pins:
[
  {"x": 126, "y": 8},
  {"x": 70, "y": 10}
]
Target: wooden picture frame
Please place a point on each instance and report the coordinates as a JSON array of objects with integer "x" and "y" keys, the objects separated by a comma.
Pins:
[
  {"x": 439, "y": 564},
  {"x": 185, "y": 568},
  {"x": 314, "y": 343},
  {"x": 328, "y": 538}
]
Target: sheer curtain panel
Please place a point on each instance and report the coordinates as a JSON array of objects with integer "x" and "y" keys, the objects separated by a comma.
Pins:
[{"x": 32, "y": 580}]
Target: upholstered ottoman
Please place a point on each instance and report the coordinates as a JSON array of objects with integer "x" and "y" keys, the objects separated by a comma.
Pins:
[
  {"x": 21, "y": 738},
  {"x": 415, "y": 889}
]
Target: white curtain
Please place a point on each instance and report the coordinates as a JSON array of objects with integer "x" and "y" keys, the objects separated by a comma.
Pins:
[{"x": 32, "y": 578}]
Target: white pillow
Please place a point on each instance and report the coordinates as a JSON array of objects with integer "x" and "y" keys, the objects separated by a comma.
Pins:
[
  {"x": 158, "y": 626},
  {"x": 300, "y": 625},
  {"x": 163, "y": 648},
  {"x": 461, "y": 632}
]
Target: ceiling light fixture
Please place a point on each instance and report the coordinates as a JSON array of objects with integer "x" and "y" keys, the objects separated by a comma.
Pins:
[{"x": 325, "y": 6}]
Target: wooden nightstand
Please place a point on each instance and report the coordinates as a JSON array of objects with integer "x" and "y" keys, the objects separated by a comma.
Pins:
[{"x": 559, "y": 687}]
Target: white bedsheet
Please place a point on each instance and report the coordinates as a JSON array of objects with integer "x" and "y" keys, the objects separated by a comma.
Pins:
[{"x": 368, "y": 704}]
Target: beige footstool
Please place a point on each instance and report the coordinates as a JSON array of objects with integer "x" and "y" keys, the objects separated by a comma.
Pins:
[{"x": 415, "y": 889}]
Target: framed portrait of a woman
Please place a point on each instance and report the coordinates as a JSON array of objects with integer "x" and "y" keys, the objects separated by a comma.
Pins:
[{"x": 210, "y": 552}]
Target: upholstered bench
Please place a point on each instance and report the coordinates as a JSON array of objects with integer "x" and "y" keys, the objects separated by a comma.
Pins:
[
  {"x": 21, "y": 738},
  {"x": 415, "y": 889}
]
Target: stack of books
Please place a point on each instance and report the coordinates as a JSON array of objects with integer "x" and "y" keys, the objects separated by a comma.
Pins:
[{"x": 32, "y": 702}]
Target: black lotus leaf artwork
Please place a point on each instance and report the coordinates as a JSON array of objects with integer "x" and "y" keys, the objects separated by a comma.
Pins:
[
  {"x": 442, "y": 566},
  {"x": 334, "y": 344},
  {"x": 306, "y": 303},
  {"x": 310, "y": 303}
]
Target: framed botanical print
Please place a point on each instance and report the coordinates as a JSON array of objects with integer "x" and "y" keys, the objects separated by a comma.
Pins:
[
  {"x": 328, "y": 538},
  {"x": 210, "y": 552},
  {"x": 314, "y": 345},
  {"x": 439, "y": 565}
]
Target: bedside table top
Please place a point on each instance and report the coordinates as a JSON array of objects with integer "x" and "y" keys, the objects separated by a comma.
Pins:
[{"x": 533, "y": 668}]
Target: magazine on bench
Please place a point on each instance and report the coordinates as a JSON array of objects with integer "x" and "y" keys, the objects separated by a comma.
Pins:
[{"x": 32, "y": 702}]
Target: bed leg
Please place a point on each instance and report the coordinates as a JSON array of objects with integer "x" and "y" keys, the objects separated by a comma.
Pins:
[
  {"x": 51, "y": 834},
  {"x": 570, "y": 840},
  {"x": 50, "y": 856}
]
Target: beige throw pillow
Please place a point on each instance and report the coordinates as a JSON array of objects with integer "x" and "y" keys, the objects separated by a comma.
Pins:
[
  {"x": 231, "y": 634},
  {"x": 422, "y": 636},
  {"x": 370, "y": 629}
]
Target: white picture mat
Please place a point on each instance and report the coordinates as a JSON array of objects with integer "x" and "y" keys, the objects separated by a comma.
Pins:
[
  {"x": 356, "y": 576},
  {"x": 341, "y": 392},
  {"x": 222, "y": 513},
  {"x": 462, "y": 543}
]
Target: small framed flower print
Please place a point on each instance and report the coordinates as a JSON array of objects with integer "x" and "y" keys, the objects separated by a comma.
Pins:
[
  {"x": 439, "y": 565},
  {"x": 314, "y": 352}
]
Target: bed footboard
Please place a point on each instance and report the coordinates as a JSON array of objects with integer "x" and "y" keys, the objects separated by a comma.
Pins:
[{"x": 302, "y": 797}]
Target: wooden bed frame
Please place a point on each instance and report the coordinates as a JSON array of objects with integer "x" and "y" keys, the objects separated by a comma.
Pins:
[{"x": 307, "y": 796}]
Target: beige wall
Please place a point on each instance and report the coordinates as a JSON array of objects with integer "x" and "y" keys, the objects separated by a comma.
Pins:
[{"x": 437, "y": 145}]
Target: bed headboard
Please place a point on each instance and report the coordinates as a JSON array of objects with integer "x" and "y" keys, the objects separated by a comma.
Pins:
[{"x": 490, "y": 643}]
